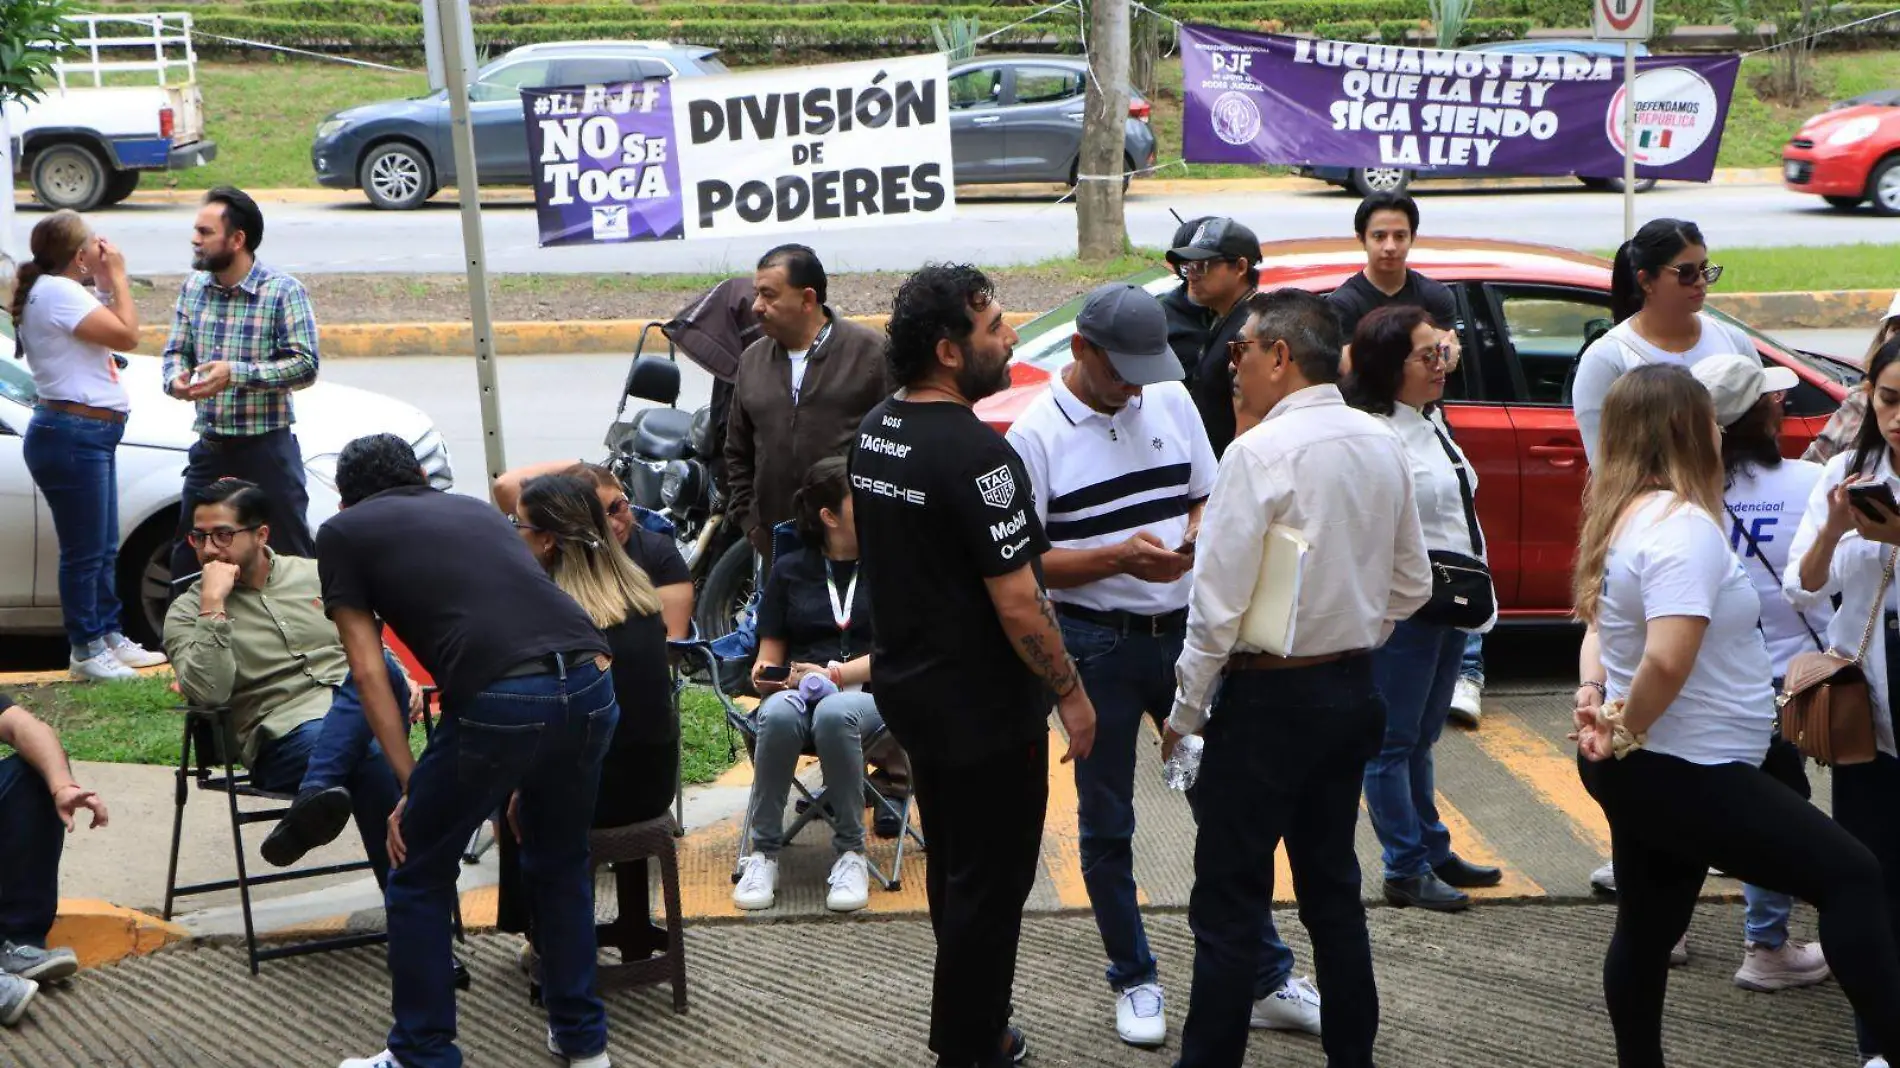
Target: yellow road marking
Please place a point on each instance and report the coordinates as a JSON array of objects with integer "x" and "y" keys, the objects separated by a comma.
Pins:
[
  {"x": 1062, "y": 830},
  {"x": 1472, "y": 846},
  {"x": 1549, "y": 771}
]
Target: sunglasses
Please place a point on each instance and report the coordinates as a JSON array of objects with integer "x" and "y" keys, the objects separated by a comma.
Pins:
[
  {"x": 1687, "y": 273},
  {"x": 1199, "y": 267},
  {"x": 1434, "y": 357},
  {"x": 619, "y": 507},
  {"x": 220, "y": 538}
]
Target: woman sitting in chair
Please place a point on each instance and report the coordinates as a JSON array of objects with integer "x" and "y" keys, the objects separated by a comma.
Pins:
[
  {"x": 561, "y": 519},
  {"x": 814, "y": 661}
]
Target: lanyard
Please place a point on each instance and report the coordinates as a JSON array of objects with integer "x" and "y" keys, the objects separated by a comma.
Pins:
[{"x": 841, "y": 610}]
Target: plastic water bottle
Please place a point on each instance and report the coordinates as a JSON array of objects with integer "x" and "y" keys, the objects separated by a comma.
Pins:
[{"x": 1185, "y": 765}]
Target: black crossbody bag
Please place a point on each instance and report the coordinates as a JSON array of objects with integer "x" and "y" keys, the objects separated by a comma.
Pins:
[{"x": 1462, "y": 593}]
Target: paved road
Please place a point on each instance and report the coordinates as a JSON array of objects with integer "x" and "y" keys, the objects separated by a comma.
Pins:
[{"x": 354, "y": 237}]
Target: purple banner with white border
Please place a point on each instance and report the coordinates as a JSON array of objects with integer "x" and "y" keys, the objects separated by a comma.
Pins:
[{"x": 604, "y": 166}]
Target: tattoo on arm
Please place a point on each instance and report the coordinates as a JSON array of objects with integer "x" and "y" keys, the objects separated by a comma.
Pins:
[{"x": 1041, "y": 648}]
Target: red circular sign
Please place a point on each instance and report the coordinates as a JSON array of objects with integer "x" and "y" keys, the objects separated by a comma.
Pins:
[{"x": 1608, "y": 7}]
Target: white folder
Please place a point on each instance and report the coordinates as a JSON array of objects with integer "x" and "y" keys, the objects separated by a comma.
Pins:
[{"x": 1268, "y": 624}]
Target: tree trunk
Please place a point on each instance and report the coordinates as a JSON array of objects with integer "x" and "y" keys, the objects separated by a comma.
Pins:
[
  {"x": 8, "y": 246},
  {"x": 1100, "y": 230}
]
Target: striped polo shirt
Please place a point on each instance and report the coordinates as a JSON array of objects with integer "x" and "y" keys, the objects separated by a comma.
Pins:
[{"x": 1101, "y": 479}]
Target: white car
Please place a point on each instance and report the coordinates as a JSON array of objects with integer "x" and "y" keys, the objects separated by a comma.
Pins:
[{"x": 151, "y": 480}]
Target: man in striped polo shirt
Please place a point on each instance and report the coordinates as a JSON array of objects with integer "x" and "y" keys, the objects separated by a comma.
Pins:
[{"x": 1121, "y": 465}]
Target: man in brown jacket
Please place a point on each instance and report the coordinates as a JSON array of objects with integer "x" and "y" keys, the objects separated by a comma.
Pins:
[{"x": 801, "y": 391}]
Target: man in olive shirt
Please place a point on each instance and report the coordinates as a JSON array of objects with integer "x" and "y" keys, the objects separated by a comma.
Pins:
[{"x": 251, "y": 635}]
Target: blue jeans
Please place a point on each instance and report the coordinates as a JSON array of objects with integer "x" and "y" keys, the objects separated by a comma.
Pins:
[
  {"x": 1473, "y": 666},
  {"x": 74, "y": 462},
  {"x": 1128, "y": 677},
  {"x": 1415, "y": 671},
  {"x": 543, "y": 735},
  {"x": 1765, "y": 922},
  {"x": 341, "y": 750},
  {"x": 31, "y": 838}
]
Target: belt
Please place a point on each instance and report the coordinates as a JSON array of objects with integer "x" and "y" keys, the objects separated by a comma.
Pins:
[
  {"x": 549, "y": 664},
  {"x": 1269, "y": 662},
  {"x": 1127, "y": 622},
  {"x": 228, "y": 442},
  {"x": 84, "y": 411}
]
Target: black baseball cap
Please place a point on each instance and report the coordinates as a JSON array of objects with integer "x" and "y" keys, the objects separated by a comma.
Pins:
[
  {"x": 1218, "y": 239},
  {"x": 1127, "y": 322}
]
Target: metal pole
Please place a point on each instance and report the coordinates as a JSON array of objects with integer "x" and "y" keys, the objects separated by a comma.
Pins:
[
  {"x": 451, "y": 20},
  {"x": 1629, "y": 139}
]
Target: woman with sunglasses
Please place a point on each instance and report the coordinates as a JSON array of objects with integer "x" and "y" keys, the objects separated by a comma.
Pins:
[{"x": 1658, "y": 284}]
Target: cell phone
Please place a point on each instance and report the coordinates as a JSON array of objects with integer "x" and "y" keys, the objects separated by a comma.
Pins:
[
  {"x": 1863, "y": 496},
  {"x": 775, "y": 673}
]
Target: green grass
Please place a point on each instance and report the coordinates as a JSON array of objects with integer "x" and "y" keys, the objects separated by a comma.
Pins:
[
  {"x": 704, "y": 752},
  {"x": 1802, "y": 269}
]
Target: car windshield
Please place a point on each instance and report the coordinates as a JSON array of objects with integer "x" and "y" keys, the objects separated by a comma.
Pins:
[{"x": 1834, "y": 369}]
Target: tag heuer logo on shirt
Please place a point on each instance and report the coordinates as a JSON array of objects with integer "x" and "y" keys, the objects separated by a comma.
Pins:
[{"x": 998, "y": 487}]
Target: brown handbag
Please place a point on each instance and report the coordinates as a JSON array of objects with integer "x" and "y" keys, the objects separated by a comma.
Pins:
[{"x": 1826, "y": 707}]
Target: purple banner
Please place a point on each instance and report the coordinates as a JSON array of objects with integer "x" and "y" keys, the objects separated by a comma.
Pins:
[
  {"x": 1263, "y": 98},
  {"x": 605, "y": 169}
]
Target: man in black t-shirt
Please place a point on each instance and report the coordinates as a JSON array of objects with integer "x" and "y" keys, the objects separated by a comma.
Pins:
[
  {"x": 528, "y": 709},
  {"x": 1387, "y": 224},
  {"x": 1220, "y": 262},
  {"x": 967, "y": 645}
]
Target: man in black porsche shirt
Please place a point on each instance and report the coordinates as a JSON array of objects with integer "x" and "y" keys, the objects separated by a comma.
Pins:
[{"x": 967, "y": 648}]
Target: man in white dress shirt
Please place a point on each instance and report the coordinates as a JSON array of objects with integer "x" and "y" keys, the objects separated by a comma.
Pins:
[{"x": 1289, "y": 737}]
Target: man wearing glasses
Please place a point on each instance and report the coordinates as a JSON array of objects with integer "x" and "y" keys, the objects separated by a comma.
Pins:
[
  {"x": 250, "y": 635},
  {"x": 1220, "y": 264}
]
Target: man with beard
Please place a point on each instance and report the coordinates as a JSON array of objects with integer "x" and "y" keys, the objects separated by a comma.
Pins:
[
  {"x": 968, "y": 648},
  {"x": 243, "y": 338}
]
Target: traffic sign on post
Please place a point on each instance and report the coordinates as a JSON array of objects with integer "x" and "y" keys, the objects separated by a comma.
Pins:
[{"x": 1625, "y": 20}]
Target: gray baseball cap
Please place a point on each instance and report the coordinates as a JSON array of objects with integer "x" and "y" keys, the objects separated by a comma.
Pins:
[{"x": 1127, "y": 322}]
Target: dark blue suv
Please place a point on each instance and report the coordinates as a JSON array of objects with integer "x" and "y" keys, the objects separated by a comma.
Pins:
[{"x": 398, "y": 151}]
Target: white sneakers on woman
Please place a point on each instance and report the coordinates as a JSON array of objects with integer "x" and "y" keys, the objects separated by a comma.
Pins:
[
  {"x": 850, "y": 882},
  {"x": 758, "y": 882}
]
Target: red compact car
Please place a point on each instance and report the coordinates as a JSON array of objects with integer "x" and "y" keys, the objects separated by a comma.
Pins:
[
  {"x": 1524, "y": 314},
  {"x": 1849, "y": 154}
]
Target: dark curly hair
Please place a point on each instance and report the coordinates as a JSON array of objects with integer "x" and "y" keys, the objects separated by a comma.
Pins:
[
  {"x": 374, "y": 463},
  {"x": 1380, "y": 346},
  {"x": 937, "y": 302}
]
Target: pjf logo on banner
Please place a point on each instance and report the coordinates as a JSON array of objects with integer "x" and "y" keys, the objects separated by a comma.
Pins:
[
  {"x": 1676, "y": 111},
  {"x": 1235, "y": 116}
]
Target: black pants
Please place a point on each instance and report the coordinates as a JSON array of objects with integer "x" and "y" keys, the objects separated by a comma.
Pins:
[
  {"x": 984, "y": 821},
  {"x": 1286, "y": 756},
  {"x": 1867, "y": 803},
  {"x": 275, "y": 463},
  {"x": 1670, "y": 821}
]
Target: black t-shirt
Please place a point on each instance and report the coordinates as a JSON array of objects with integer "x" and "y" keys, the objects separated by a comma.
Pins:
[
  {"x": 658, "y": 557},
  {"x": 942, "y": 503},
  {"x": 454, "y": 581},
  {"x": 1212, "y": 382},
  {"x": 643, "y": 686},
  {"x": 1358, "y": 297},
  {"x": 796, "y": 608}
]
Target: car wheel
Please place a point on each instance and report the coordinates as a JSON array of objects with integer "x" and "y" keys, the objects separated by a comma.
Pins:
[
  {"x": 1884, "y": 187},
  {"x": 69, "y": 176},
  {"x": 1844, "y": 203},
  {"x": 119, "y": 185},
  {"x": 145, "y": 579},
  {"x": 1366, "y": 181},
  {"x": 728, "y": 587},
  {"x": 1615, "y": 185},
  {"x": 397, "y": 176}
]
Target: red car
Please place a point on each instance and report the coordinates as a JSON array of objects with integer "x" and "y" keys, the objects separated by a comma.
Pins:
[
  {"x": 1524, "y": 313},
  {"x": 1849, "y": 154}
]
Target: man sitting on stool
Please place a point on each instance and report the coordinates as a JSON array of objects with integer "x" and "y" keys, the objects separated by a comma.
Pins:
[{"x": 251, "y": 635}]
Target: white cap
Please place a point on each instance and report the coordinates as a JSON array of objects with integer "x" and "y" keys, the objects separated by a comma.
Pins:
[
  {"x": 1893, "y": 310},
  {"x": 1737, "y": 382}
]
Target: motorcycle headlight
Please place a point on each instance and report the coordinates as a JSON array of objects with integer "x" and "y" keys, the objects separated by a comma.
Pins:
[
  {"x": 1854, "y": 131},
  {"x": 679, "y": 483}
]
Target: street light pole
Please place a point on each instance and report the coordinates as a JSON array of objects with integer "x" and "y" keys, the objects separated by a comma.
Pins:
[{"x": 451, "y": 22}]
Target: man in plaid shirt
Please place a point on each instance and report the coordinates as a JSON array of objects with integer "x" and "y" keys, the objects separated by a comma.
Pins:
[{"x": 242, "y": 339}]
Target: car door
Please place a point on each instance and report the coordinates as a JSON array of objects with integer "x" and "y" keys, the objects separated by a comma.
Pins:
[
  {"x": 19, "y": 501},
  {"x": 976, "y": 122},
  {"x": 1539, "y": 331},
  {"x": 1482, "y": 428},
  {"x": 1042, "y": 122},
  {"x": 494, "y": 114}
]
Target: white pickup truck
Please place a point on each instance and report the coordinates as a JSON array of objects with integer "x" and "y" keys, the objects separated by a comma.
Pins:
[{"x": 126, "y": 100}]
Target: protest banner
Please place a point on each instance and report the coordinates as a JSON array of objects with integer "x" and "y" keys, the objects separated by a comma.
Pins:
[
  {"x": 1264, "y": 98},
  {"x": 807, "y": 148}
]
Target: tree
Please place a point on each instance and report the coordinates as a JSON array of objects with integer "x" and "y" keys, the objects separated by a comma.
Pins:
[
  {"x": 1101, "y": 229},
  {"x": 1797, "y": 26},
  {"x": 32, "y": 33}
]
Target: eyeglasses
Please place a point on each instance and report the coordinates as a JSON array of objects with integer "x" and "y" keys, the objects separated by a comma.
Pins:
[
  {"x": 619, "y": 507},
  {"x": 1687, "y": 273},
  {"x": 515, "y": 521},
  {"x": 1197, "y": 267},
  {"x": 220, "y": 538},
  {"x": 1438, "y": 355},
  {"x": 1238, "y": 347}
]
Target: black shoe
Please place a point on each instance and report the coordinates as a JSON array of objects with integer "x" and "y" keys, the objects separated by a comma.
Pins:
[
  {"x": 314, "y": 819},
  {"x": 1459, "y": 872},
  {"x": 1016, "y": 1044},
  {"x": 1425, "y": 892},
  {"x": 886, "y": 825}
]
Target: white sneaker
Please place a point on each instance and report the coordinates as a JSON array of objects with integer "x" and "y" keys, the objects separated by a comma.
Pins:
[
  {"x": 385, "y": 1059},
  {"x": 850, "y": 882},
  {"x": 1603, "y": 880},
  {"x": 758, "y": 882},
  {"x": 1467, "y": 701},
  {"x": 598, "y": 1060},
  {"x": 1679, "y": 953},
  {"x": 1877, "y": 1062},
  {"x": 15, "y": 995},
  {"x": 1140, "y": 1015},
  {"x": 1293, "y": 1007},
  {"x": 1788, "y": 965},
  {"x": 101, "y": 667},
  {"x": 131, "y": 653}
]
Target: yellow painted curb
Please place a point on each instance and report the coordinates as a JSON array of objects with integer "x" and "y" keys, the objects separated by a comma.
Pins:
[
  {"x": 101, "y": 933},
  {"x": 49, "y": 678}
]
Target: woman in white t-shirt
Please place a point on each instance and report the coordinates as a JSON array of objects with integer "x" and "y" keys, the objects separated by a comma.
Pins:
[
  {"x": 1674, "y": 717},
  {"x": 1839, "y": 551},
  {"x": 68, "y": 338},
  {"x": 1658, "y": 284}
]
